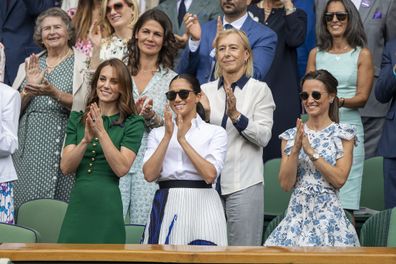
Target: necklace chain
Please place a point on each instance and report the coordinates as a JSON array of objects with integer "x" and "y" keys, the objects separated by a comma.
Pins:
[{"x": 68, "y": 53}]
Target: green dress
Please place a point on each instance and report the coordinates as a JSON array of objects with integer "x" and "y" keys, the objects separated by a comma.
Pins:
[{"x": 95, "y": 214}]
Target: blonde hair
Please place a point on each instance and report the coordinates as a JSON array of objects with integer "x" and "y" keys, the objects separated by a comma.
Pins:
[
  {"x": 107, "y": 28},
  {"x": 245, "y": 43}
]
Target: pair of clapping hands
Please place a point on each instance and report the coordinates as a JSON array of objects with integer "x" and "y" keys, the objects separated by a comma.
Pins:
[
  {"x": 93, "y": 123},
  {"x": 301, "y": 139},
  {"x": 36, "y": 84}
]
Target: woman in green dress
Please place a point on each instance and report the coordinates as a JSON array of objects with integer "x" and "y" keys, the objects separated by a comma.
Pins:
[{"x": 101, "y": 145}]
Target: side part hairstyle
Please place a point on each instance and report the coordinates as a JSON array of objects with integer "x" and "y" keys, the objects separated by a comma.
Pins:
[
  {"x": 331, "y": 83},
  {"x": 126, "y": 104},
  {"x": 246, "y": 45},
  {"x": 54, "y": 12},
  {"x": 107, "y": 28},
  {"x": 196, "y": 87},
  {"x": 168, "y": 51},
  {"x": 354, "y": 33}
]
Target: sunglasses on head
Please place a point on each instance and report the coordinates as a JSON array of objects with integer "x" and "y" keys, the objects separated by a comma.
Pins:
[
  {"x": 315, "y": 95},
  {"x": 117, "y": 7},
  {"x": 183, "y": 94},
  {"x": 341, "y": 16}
]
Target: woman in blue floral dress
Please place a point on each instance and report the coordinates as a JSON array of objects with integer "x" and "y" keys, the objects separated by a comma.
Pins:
[{"x": 316, "y": 161}]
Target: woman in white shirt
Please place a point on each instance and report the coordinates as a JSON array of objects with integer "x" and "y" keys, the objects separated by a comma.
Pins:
[
  {"x": 10, "y": 105},
  {"x": 244, "y": 107},
  {"x": 185, "y": 156}
]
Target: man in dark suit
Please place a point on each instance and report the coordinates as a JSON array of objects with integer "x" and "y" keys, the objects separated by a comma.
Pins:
[
  {"x": 199, "y": 56},
  {"x": 176, "y": 9},
  {"x": 17, "y": 20},
  {"x": 379, "y": 21},
  {"x": 385, "y": 92}
]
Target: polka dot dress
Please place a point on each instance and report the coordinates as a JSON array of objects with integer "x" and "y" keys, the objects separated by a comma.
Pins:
[{"x": 41, "y": 134}]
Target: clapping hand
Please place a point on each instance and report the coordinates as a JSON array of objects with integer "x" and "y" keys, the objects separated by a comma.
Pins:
[
  {"x": 193, "y": 27},
  {"x": 95, "y": 119},
  {"x": 219, "y": 28},
  {"x": 147, "y": 110},
  {"x": 40, "y": 89},
  {"x": 168, "y": 122},
  {"x": 298, "y": 139},
  {"x": 232, "y": 112},
  {"x": 95, "y": 34},
  {"x": 33, "y": 73},
  {"x": 182, "y": 127}
]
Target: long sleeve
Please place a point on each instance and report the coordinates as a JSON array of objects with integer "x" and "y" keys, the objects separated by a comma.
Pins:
[
  {"x": 385, "y": 88},
  {"x": 9, "y": 116},
  {"x": 296, "y": 28}
]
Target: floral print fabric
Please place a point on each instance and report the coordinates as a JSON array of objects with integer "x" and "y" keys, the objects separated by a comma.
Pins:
[
  {"x": 314, "y": 216},
  {"x": 6, "y": 203}
]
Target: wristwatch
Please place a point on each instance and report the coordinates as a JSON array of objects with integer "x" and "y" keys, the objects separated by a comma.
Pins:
[{"x": 314, "y": 156}]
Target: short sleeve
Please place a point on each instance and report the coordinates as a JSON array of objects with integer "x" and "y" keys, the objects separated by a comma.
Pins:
[
  {"x": 134, "y": 129},
  {"x": 344, "y": 132},
  {"x": 289, "y": 136},
  {"x": 71, "y": 129}
]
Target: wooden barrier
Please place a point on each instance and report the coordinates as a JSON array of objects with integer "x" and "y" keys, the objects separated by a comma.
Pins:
[{"x": 191, "y": 254}]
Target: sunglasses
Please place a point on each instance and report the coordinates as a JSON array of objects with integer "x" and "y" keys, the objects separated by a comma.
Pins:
[
  {"x": 183, "y": 94},
  {"x": 117, "y": 7},
  {"x": 341, "y": 16},
  {"x": 315, "y": 95}
]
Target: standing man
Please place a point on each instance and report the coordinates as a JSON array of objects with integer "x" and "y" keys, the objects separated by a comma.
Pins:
[
  {"x": 17, "y": 19},
  {"x": 379, "y": 21},
  {"x": 199, "y": 56},
  {"x": 205, "y": 10},
  {"x": 385, "y": 92}
]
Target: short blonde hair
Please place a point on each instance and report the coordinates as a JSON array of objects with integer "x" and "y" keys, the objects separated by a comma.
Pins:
[
  {"x": 245, "y": 43},
  {"x": 107, "y": 28}
]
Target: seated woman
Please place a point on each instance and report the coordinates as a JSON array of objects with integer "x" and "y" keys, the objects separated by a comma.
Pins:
[
  {"x": 101, "y": 145},
  {"x": 316, "y": 160},
  {"x": 185, "y": 156}
]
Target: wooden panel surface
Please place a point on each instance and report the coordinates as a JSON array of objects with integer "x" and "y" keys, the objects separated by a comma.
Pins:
[{"x": 193, "y": 254}]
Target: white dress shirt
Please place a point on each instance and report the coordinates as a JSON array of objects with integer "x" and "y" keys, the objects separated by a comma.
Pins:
[
  {"x": 357, "y": 3},
  {"x": 246, "y": 138},
  {"x": 10, "y": 106},
  {"x": 210, "y": 141}
]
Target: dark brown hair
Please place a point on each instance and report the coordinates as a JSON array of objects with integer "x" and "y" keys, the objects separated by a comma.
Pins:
[
  {"x": 331, "y": 83},
  {"x": 126, "y": 104},
  {"x": 168, "y": 51}
]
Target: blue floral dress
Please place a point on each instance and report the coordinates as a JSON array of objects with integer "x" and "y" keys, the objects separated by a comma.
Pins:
[{"x": 314, "y": 216}]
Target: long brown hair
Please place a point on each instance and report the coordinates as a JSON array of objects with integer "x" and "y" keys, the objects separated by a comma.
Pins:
[
  {"x": 83, "y": 18},
  {"x": 126, "y": 104},
  {"x": 331, "y": 83},
  {"x": 168, "y": 51}
]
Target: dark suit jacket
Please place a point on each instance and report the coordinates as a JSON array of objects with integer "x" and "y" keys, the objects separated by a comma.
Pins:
[
  {"x": 385, "y": 91},
  {"x": 16, "y": 31},
  {"x": 262, "y": 40}
]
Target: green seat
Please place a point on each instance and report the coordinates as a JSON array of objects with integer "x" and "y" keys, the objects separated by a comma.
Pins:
[
  {"x": 275, "y": 199},
  {"x": 45, "y": 216},
  {"x": 17, "y": 234},
  {"x": 379, "y": 230},
  {"x": 373, "y": 184},
  {"x": 134, "y": 234}
]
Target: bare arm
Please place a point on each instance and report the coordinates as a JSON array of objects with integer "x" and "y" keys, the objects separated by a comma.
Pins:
[
  {"x": 311, "y": 64},
  {"x": 338, "y": 174},
  {"x": 364, "y": 81}
]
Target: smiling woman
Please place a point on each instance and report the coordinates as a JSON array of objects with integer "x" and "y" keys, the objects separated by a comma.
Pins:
[
  {"x": 48, "y": 83},
  {"x": 100, "y": 146}
]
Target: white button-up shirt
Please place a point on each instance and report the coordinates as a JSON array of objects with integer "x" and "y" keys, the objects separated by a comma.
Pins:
[
  {"x": 210, "y": 141},
  {"x": 10, "y": 105},
  {"x": 244, "y": 165}
]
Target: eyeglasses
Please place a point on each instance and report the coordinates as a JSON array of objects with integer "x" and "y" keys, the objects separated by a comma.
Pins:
[
  {"x": 117, "y": 7},
  {"x": 315, "y": 95},
  {"x": 183, "y": 94},
  {"x": 341, "y": 16}
]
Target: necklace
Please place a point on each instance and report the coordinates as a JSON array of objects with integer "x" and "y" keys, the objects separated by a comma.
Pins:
[{"x": 51, "y": 67}]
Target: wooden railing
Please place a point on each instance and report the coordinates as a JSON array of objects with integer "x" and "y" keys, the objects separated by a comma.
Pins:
[{"x": 56, "y": 253}]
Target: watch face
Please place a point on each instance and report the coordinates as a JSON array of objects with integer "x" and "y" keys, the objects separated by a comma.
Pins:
[{"x": 315, "y": 156}]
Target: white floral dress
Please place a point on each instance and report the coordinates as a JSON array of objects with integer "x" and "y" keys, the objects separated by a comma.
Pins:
[{"x": 314, "y": 216}]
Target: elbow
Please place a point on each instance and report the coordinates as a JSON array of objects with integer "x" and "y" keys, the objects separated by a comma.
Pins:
[
  {"x": 286, "y": 187},
  {"x": 148, "y": 175},
  {"x": 210, "y": 179},
  {"x": 64, "y": 169},
  {"x": 122, "y": 172}
]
